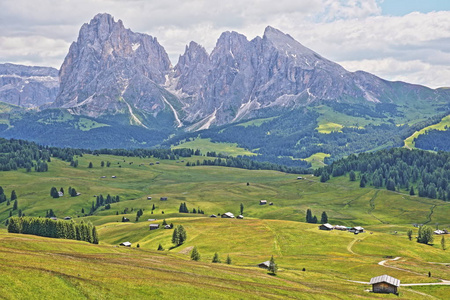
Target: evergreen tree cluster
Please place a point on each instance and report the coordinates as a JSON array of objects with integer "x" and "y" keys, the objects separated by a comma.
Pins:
[
  {"x": 437, "y": 140},
  {"x": 425, "y": 235},
  {"x": 172, "y": 154},
  {"x": 54, "y": 228},
  {"x": 183, "y": 209},
  {"x": 103, "y": 201},
  {"x": 15, "y": 154},
  {"x": 398, "y": 168},
  {"x": 2, "y": 195},
  {"x": 310, "y": 218},
  {"x": 249, "y": 164},
  {"x": 179, "y": 235}
]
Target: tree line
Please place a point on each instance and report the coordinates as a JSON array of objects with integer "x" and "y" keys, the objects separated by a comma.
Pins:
[
  {"x": 417, "y": 171},
  {"x": 54, "y": 228},
  {"x": 246, "y": 163}
]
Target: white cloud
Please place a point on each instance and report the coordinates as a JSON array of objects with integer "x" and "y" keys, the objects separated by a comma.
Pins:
[{"x": 352, "y": 32}]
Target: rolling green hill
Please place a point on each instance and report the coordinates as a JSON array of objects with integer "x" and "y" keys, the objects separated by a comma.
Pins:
[{"x": 80, "y": 270}]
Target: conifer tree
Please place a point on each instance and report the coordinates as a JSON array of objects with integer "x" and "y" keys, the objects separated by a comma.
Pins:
[
  {"x": 308, "y": 216},
  {"x": 352, "y": 175},
  {"x": 242, "y": 208},
  {"x": 324, "y": 218},
  {"x": 13, "y": 195},
  {"x": 425, "y": 235},
  {"x": 228, "y": 261},
  {"x": 90, "y": 165},
  {"x": 411, "y": 191},
  {"x": 15, "y": 205},
  {"x": 443, "y": 243},
  {"x": 273, "y": 268},
  {"x": 160, "y": 248},
  {"x": 409, "y": 233},
  {"x": 195, "y": 255},
  {"x": 175, "y": 237},
  {"x": 216, "y": 258}
]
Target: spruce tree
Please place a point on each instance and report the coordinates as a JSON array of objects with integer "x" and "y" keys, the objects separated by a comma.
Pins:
[
  {"x": 409, "y": 233},
  {"x": 15, "y": 205},
  {"x": 95, "y": 235},
  {"x": 182, "y": 234},
  {"x": 13, "y": 195},
  {"x": 411, "y": 191},
  {"x": 175, "y": 237},
  {"x": 228, "y": 261},
  {"x": 242, "y": 208},
  {"x": 443, "y": 243},
  {"x": 352, "y": 175},
  {"x": 90, "y": 165},
  {"x": 195, "y": 255},
  {"x": 324, "y": 218},
  {"x": 273, "y": 268},
  {"x": 160, "y": 248},
  {"x": 425, "y": 235},
  {"x": 216, "y": 258},
  {"x": 308, "y": 216}
]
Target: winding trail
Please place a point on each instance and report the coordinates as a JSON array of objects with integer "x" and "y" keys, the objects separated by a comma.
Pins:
[{"x": 350, "y": 245}]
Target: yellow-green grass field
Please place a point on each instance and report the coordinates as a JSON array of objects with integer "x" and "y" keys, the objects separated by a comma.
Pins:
[
  {"x": 445, "y": 122},
  {"x": 32, "y": 265},
  {"x": 317, "y": 159},
  {"x": 205, "y": 145}
]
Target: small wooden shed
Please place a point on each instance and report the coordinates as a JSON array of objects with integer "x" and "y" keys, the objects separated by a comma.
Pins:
[
  {"x": 326, "y": 226},
  {"x": 262, "y": 202},
  {"x": 163, "y": 198},
  {"x": 228, "y": 215},
  {"x": 385, "y": 284},
  {"x": 264, "y": 265},
  {"x": 154, "y": 226},
  {"x": 126, "y": 244}
]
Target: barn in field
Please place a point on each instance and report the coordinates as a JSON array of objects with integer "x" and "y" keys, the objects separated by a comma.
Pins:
[{"x": 385, "y": 284}]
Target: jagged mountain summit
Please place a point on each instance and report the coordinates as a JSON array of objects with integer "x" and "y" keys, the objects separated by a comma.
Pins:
[
  {"x": 26, "y": 86},
  {"x": 271, "y": 95},
  {"x": 112, "y": 70}
]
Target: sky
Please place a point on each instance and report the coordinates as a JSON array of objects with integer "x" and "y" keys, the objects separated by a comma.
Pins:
[{"x": 407, "y": 40}]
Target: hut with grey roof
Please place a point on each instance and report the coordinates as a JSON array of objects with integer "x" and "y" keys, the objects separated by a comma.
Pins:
[{"x": 385, "y": 284}]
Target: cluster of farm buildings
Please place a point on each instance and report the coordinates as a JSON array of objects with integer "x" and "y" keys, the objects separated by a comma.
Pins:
[{"x": 355, "y": 230}]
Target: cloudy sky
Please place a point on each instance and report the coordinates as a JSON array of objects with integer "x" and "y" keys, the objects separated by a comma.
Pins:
[{"x": 406, "y": 40}]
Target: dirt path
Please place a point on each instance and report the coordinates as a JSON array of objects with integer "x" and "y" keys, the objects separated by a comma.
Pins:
[
  {"x": 350, "y": 245},
  {"x": 383, "y": 263}
]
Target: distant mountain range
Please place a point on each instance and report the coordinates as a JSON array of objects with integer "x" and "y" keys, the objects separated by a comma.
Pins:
[{"x": 121, "y": 78}]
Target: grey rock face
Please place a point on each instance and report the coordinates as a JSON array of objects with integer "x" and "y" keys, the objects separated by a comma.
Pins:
[
  {"x": 26, "y": 86},
  {"x": 241, "y": 77},
  {"x": 111, "y": 69}
]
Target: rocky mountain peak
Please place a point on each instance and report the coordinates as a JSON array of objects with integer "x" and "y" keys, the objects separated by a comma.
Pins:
[{"x": 110, "y": 69}]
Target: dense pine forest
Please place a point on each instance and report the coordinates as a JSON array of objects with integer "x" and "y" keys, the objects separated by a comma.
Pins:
[
  {"x": 16, "y": 154},
  {"x": 426, "y": 174},
  {"x": 54, "y": 228},
  {"x": 437, "y": 140}
]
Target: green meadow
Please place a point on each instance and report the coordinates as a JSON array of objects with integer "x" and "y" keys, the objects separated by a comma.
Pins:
[
  {"x": 205, "y": 145},
  {"x": 37, "y": 267},
  {"x": 442, "y": 125}
]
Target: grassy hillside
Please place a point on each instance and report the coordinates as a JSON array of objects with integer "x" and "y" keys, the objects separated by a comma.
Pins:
[
  {"x": 80, "y": 270},
  {"x": 214, "y": 190},
  {"x": 442, "y": 125},
  {"x": 205, "y": 145}
]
